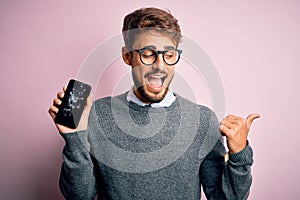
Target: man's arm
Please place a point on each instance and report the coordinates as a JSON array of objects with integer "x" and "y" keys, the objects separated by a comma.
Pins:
[
  {"x": 227, "y": 180},
  {"x": 77, "y": 180},
  {"x": 231, "y": 179}
]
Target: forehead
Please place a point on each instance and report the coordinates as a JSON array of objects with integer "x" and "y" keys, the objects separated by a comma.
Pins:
[{"x": 152, "y": 38}]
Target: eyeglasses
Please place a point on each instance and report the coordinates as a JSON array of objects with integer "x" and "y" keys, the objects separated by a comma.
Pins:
[{"x": 148, "y": 55}]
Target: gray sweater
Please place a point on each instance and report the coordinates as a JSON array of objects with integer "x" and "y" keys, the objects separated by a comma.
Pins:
[{"x": 131, "y": 152}]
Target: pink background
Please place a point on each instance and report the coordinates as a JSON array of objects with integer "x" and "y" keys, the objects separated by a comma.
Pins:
[{"x": 254, "y": 45}]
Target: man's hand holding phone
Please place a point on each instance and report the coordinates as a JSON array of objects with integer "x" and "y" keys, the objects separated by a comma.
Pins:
[{"x": 71, "y": 108}]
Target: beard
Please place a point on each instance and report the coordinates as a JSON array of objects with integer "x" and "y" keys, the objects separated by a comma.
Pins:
[
  {"x": 145, "y": 94},
  {"x": 150, "y": 97}
]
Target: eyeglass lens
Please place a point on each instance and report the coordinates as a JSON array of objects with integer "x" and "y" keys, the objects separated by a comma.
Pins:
[{"x": 149, "y": 56}]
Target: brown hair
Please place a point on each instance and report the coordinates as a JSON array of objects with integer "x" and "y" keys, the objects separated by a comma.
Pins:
[{"x": 153, "y": 18}]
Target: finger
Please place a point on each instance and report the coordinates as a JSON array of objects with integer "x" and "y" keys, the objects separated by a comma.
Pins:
[
  {"x": 60, "y": 95},
  {"x": 228, "y": 124},
  {"x": 236, "y": 121},
  {"x": 89, "y": 101},
  {"x": 221, "y": 127},
  {"x": 65, "y": 88},
  {"x": 233, "y": 117},
  {"x": 56, "y": 102},
  {"x": 251, "y": 118},
  {"x": 224, "y": 130},
  {"x": 53, "y": 111}
]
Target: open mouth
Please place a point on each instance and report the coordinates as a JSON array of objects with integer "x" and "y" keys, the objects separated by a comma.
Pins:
[{"x": 156, "y": 81}]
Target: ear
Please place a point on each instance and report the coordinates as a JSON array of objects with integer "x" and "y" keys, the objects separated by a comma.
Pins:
[{"x": 126, "y": 55}]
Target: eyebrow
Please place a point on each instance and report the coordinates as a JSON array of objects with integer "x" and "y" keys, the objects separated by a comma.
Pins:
[
  {"x": 169, "y": 47},
  {"x": 165, "y": 47}
]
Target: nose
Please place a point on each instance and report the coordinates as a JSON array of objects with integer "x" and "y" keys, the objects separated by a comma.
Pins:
[{"x": 159, "y": 63}]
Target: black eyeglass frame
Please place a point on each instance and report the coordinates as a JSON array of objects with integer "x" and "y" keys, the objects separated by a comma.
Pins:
[{"x": 140, "y": 51}]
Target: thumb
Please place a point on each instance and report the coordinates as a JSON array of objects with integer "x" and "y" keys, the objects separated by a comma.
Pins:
[{"x": 251, "y": 118}]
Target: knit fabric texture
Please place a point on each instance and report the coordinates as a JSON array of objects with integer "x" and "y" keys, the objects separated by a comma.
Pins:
[{"x": 132, "y": 152}]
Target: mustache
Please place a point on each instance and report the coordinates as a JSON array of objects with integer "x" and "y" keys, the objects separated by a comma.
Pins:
[{"x": 156, "y": 71}]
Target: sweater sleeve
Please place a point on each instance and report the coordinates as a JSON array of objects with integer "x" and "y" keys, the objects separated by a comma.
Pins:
[
  {"x": 237, "y": 178},
  {"x": 77, "y": 180},
  {"x": 78, "y": 174},
  {"x": 226, "y": 180}
]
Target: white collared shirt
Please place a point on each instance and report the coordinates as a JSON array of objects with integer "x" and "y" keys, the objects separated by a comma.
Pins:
[{"x": 166, "y": 102}]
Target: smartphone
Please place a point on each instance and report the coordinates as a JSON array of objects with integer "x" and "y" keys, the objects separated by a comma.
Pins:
[{"x": 73, "y": 103}]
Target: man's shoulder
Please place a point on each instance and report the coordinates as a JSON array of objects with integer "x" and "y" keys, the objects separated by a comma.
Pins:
[
  {"x": 190, "y": 105},
  {"x": 106, "y": 101}
]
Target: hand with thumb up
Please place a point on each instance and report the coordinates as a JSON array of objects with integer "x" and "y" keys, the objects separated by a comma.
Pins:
[{"x": 236, "y": 130}]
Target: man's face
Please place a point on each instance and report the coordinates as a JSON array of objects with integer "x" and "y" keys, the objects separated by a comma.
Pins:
[{"x": 151, "y": 82}]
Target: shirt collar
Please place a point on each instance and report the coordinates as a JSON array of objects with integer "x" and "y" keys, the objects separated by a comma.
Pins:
[{"x": 166, "y": 102}]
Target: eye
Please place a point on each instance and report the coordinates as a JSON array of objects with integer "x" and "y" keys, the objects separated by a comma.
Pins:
[
  {"x": 148, "y": 53},
  {"x": 170, "y": 54}
]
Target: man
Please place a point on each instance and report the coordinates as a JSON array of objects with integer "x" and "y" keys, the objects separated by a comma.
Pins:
[{"x": 171, "y": 146}]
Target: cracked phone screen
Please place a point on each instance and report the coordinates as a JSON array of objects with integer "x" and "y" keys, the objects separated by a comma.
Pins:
[{"x": 73, "y": 103}]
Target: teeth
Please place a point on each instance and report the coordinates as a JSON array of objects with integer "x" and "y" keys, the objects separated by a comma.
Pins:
[{"x": 157, "y": 76}]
